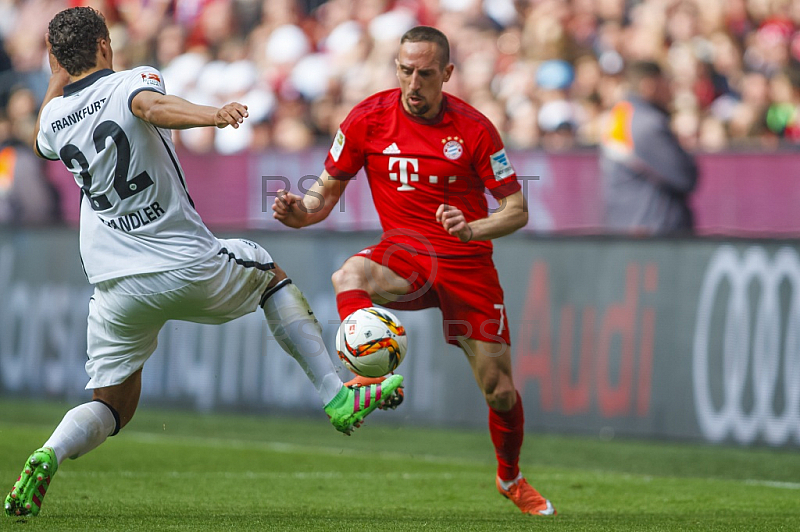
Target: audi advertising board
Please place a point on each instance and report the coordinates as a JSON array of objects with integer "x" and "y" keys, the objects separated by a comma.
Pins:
[
  {"x": 667, "y": 338},
  {"x": 692, "y": 339}
]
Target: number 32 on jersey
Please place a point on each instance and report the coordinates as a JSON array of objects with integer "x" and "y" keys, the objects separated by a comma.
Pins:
[{"x": 124, "y": 187}]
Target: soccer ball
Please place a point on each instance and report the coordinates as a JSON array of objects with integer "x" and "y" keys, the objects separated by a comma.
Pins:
[{"x": 371, "y": 342}]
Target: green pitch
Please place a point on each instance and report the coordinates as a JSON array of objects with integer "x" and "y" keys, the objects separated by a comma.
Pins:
[{"x": 170, "y": 470}]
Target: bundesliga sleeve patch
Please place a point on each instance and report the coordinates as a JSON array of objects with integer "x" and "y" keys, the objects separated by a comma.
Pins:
[
  {"x": 338, "y": 145},
  {"x": 151, "y": 78},
  {"x": 501, "y": 166}
]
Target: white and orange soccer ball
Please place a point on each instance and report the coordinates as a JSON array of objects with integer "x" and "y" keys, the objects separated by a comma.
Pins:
[{"x": 371, "y": 342}]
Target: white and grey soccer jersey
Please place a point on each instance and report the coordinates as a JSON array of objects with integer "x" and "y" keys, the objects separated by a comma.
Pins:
[{"x": 136, "y": 213}]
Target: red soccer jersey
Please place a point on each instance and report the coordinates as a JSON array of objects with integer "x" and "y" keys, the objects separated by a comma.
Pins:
[{"x": 414, "y": 165}]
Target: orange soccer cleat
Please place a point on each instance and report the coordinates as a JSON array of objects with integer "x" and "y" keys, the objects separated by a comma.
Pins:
[
  {"x": 526, "y": 497},
  {"x": 392, "y": 402}
]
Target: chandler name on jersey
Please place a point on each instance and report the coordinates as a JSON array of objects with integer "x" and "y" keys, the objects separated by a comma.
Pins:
[
  {"x": 413, "y": 165},
  {"x": 136, "y": 213}
]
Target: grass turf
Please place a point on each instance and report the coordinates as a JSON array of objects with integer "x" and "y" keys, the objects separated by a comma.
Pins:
[{"x": 172, "y": 470}]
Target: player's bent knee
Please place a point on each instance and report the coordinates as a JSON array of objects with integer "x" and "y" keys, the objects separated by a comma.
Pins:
[
  {"x": 122, "y": 409},
  {"x": 348, "y": 277},
  {"x": 501, "y": 399},
  {"x": 278, "y": 276},
  {"x": 122, "y": 398},
  {"x": 337, "y": 278}
]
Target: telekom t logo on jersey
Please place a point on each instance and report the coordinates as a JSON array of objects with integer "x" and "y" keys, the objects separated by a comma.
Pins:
[
  {"x": 406, "y": 165},
  {"x": 402, "y": 164}
]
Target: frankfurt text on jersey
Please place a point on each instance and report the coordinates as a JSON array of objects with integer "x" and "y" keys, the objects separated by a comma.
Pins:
[{"x": 78, "y": 115}]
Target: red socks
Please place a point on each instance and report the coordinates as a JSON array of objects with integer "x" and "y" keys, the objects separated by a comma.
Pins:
[
  {"x": 350, "y": 301},
  {"x": 507, "y": 430}
]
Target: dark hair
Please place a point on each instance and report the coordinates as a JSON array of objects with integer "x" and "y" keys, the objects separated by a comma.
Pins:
[
  {"x": 74, "y": 34},
  {"x": 639, "y": 70},
  {"x": 432, "y": 35}
]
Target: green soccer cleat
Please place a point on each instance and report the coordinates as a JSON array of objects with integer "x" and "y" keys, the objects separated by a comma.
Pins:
[
  {"x": 352, "y": 404},
  {"x": 393, "y": 401},
  {"x": 28, "y": 492}
]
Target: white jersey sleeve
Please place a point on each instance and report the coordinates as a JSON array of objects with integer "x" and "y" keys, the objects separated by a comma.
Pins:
[
  {"x": 146, "y": 79},
  {"x": 136, "y": 212},
  {"x": 42, "y": 143}
]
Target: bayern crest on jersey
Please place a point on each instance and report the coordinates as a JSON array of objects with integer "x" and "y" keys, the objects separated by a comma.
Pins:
[{"x": 453, "y": 150}]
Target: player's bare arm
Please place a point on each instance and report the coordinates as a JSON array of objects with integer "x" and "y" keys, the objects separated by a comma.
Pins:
[
  {"x": 59, "y": 77},
  {"x": 511, "y": 215},
  {"x": 172, "y": 112},
  {"x": 295, "y": 211}
]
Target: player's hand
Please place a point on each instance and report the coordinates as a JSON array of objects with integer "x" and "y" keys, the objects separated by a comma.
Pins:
[
  {"x": 58, "y": 74},
  {"x": 231, "y": 114},
  {"x": 289, "y": 210},
  {"x": 453, "y": 221}
]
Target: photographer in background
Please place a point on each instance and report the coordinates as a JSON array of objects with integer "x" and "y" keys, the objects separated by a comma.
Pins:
[{"x": 647, "y": 175}]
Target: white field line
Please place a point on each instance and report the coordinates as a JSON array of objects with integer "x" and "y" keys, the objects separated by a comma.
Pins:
[
  {"x": 277, "y": 475},
  {"x": 294, "y": 448},
  {"x": 774, "y": 484},
  {"x": 282, "y": 447}
]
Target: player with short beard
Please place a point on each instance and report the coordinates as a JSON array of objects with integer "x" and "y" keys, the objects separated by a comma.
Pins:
[{"x": 429, "y": 157}]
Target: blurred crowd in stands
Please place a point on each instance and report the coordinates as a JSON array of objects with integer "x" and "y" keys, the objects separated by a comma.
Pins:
[{"x": 544, "y": 71}]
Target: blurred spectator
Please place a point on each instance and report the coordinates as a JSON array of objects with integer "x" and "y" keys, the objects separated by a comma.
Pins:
[
  {"x": 26, "y": 196},
  {"x": 647, "y": 175},
  {"x": 558, "y": 116},
  {"x": 783, "y": 115}
]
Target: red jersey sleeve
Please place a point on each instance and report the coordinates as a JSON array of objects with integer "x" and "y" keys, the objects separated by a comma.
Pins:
[
  {"x": 492, "y": 163},
  {"x": 346, "y": 156}
]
